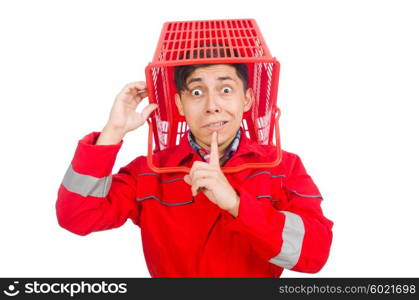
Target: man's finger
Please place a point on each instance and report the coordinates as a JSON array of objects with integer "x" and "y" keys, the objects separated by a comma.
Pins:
[
  {"x": 146, "y": 112},
  {"x": 199, "y": 185},
  {"x": 187, "y": 179},
  {"x": 214, "y": 158}
]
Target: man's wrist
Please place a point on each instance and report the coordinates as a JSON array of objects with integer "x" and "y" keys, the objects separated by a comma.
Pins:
[
  {"x": 234, "y": 211},
  {"x": 110, "y": 136}
]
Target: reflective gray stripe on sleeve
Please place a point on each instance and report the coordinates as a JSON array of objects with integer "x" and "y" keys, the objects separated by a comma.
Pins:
[
  {"x": 292, "y": 236},
  {"x": 86, "y": 185}
]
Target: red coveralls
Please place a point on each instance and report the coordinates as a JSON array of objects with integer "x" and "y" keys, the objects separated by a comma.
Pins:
[{"x": 279, "y": 225}]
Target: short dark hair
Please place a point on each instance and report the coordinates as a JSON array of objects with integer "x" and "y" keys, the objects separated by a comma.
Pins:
[{"x": 183, "y": 72}]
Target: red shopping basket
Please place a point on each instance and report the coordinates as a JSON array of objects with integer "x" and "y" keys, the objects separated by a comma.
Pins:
[{"x": 212, "y": 42}]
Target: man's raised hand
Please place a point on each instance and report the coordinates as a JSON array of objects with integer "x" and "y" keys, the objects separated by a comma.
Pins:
[
  {"x": 209, "y": 178},
  {"x": 124, "y": 117}
]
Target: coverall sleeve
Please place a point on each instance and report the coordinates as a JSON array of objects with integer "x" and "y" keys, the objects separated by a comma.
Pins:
[
  {"x": 297, "y": 236},
  {"x": 90, "y": 198}
]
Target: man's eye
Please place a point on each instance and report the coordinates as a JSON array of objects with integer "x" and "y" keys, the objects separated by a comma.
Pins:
[
  {"x": 196, "y": 92},
  {"x": 226, "y": 90}
]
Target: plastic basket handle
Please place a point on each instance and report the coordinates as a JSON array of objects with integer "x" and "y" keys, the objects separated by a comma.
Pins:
[{"x": 224, "y": 169}]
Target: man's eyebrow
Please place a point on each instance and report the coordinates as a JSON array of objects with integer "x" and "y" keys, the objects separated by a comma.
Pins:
[
  {"x": 194, "y": 79},
  {"x": 225, "y": 78},
  {"x": 199, "y": 79}
]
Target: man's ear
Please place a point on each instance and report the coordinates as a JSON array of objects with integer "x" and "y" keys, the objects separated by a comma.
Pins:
[
  {"x": 179, "y": 104},
  {"x": 248, "y": 99}
]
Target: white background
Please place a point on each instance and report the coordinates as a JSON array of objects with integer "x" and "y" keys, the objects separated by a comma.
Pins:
[{"x": 348, "y": 92}]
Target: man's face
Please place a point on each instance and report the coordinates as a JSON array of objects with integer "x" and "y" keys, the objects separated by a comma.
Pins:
[{"x": 214, "y": 93}]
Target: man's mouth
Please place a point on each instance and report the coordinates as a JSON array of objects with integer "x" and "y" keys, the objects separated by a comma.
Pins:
[{"x": 215, "y": 125}]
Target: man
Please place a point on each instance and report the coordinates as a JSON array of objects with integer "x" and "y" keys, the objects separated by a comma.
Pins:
[{"x": 252, "y": 223}]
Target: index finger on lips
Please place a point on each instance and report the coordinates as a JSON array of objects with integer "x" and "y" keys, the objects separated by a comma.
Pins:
[{"x": 214, "y": 157}]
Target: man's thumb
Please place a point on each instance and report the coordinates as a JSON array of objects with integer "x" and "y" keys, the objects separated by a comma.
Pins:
[{"x": 148, "y": 110}]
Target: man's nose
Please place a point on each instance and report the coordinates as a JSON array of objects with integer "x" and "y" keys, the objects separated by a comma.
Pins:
[{"x": 212, "y": 104}]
